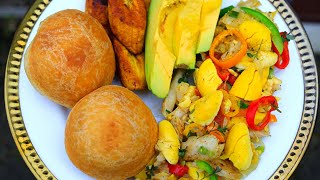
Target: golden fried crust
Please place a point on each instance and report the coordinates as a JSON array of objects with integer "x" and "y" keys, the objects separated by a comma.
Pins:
[
  {"x": 111, "y": 134},
  {"x": 70, "y": 56},
  {"x": 131, "y": 67},
  {"x": 128, "y": 23},
  {"x": 99, "y": 10}
]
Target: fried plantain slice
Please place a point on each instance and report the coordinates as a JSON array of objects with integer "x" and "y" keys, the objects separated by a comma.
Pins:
[
  {"x": 131, "y": 67},
  {"x": 99, "y": 10},
  {"x": 128, "y": 23}
]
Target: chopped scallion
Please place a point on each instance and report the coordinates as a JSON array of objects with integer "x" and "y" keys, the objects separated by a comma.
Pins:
[
  {"x": 233, "y": 14},
  {"x": 222, "y": 129},
  {"x": 271, "y": 73},
  {"x": 203, "y": 150},
  {"x": 260, "y": 148}
]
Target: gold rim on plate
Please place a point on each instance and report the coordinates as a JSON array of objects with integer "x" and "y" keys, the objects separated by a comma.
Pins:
[{"x": 40, "y": 170}]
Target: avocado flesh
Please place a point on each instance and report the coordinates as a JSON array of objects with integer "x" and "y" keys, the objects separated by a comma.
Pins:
[
  {"x": 159, "y": 59},
  {"x": 209, "y": 18},
  {"x": 162, "y": 70},
  {"x": 168, "y": 20},
  {"x": 186, "y": 34}
]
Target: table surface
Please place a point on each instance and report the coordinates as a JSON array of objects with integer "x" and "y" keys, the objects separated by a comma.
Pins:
[{"x": 12, "y": 165}]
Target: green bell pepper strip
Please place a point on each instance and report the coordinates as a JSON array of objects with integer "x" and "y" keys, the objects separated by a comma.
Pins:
[
  {"x": 207, "y": 168},
  {"x": 275, "y": 35},
  {"x": 225, "y": 10}
]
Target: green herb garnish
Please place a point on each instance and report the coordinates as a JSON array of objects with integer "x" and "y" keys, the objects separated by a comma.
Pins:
[
  {"x": 186, "y": 76},
  {"x": 190, "y": 133},
  {"x": 243, "y": 105},
  {"x": 182, "y": 153},
  {"x": 150, "y": 171},
  {"x": 276, "y": 108},
  {"x": 233, "y": 14},
  {"x": 217, "y": 169},
  {"x": 234, "y": 68},
  {"x": 290, "y": 37},
  {"x": 168, "y": 111},
  {"x": 250, "y": 55},
  {"x": 225, "y": 10},
  {"x": 222, "y": 129},
  {"x": 287, "y": 37}
]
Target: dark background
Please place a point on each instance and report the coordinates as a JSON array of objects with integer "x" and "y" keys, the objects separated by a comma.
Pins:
[{"x": 12, "y": 165}]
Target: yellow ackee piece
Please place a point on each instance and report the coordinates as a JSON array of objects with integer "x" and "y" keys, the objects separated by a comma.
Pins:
[
  {"x": 249, "y": 84},
  {"x": 258, "y": 36},
  {"x": 238, "y": 147},
  {"x": 237, "y": 131},
  {"x": 168, "y": 142},
  {"x": 242, "y": 156},
  {"x": 255, "y": 88},
  {"x": 241, "y": 85},
  {"x": 205, "y": 109},
  {"x": 207, "y": 79}
]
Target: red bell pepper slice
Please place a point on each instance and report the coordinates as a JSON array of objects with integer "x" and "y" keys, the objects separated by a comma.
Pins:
[
  {"x": 197, "y": 92},
  {"x": 222, "y": 73},
  {"x": 220, "y": 118},
  {"x": 284, "y": 58},
  {"x": 178, "y": 169},
  {"x": 253, "y": 108},
  {"x": 232, "y": 79}
]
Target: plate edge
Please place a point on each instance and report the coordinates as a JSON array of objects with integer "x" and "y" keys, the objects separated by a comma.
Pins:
[
  {"x": 283, "y": 172},
  {"x": 11, "y": 93},
  {"x": 311, "y": 89}
]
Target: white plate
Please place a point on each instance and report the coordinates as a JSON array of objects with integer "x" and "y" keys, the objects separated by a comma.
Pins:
[{"x": 44, "y": 121}]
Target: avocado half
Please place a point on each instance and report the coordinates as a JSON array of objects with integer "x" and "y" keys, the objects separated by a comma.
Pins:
[{"x": 176, "y": 31}]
